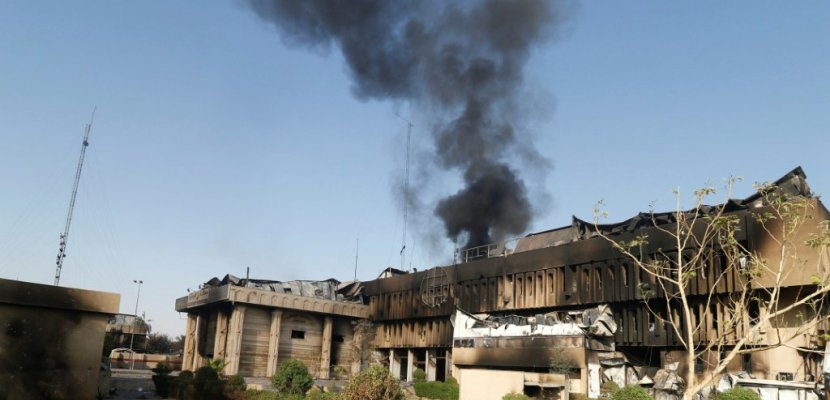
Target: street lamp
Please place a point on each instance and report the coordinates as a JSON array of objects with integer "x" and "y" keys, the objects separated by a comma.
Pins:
[{"x": 135, "y": 323}]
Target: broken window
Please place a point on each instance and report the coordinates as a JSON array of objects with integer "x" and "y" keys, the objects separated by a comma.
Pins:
[
  {"x": 338, "y": 338},
  {"x": 297, "y": 334}
]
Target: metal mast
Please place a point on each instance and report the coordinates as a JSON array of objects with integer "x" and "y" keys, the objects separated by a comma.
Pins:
[
  {"x": 65, "y": 235},
  {"x": 405, "y": 193}
]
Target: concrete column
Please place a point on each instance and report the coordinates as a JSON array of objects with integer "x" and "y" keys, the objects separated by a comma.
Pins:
[
  {"x": 325, "y": 352},
  {"x": 430, "y": 364},
  {"x": 274, "y": 342},
  {"x": 199, "y": 336},
  {"x": 219, "y": 345},
  {"x": 410, "y": 364},
  {"x": 394, "y": 364},
  {"x": 234, "y": 347},
  {"x": 189, "y": 343},
  {"x": 452, "y": 370}
]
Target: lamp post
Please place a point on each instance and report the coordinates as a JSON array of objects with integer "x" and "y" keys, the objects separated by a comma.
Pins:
[{"x": 135, "y": 323}]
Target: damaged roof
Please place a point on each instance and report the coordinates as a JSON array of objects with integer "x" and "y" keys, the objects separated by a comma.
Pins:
[
  {"x": 325, "y": 289},
  {"x": 794, "y": 183}
]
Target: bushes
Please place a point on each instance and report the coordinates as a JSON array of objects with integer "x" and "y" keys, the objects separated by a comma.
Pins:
[
  {"x": 292, "y": 377},
  {"x": 374, "y": 383},
  {"x": 608, "y": 389},
  {"x": 436, "y": 390},
  {"x": 316, "y": 394},
  {"x": 738, "y": 393},
  {"x": 162, "y": 379},
  {"x": 515, "y": 396},
  {"x": 207, "y": 385},
  {"x": 418, "y": 375},
  {"x": 631, "y": 393},
  {"x": 235, "y": 384}
]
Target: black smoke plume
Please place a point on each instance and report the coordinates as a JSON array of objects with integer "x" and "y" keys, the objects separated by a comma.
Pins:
[{"x": 462, "y": 64}]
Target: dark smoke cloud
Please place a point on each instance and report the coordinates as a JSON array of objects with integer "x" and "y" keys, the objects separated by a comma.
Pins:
[{"x": 462, "y": 64}]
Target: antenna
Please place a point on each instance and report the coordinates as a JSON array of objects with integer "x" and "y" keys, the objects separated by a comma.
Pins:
[
  {"x": 405, "y": 192},
  {"x": 64, "y": 238},
  {"x": 356, "y": 250}
]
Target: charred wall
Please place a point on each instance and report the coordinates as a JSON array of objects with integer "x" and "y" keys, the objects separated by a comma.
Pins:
[
  {"x": 51, "y": 340},
  {"x": 575, "y": 275}
]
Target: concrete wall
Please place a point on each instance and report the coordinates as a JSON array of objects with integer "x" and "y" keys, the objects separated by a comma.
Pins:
[
  {"x": 123, "y": 360},
  {"x": 51, "y": 340},
  {"x": 487, "y": 384}
]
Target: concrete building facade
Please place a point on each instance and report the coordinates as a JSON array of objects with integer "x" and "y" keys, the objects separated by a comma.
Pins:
[
  {"x": 255, "y": 324},
  {"x": 567, "y": 270},
  {"x": 51, "y": 340}
]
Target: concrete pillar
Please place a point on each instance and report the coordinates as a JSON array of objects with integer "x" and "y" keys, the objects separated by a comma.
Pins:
[
  {"x": 199, "y": 337},
  {"x": 274, "y": 342},
  {"x": 430, "y": 364},
  {"x": 189, "y": 343},
  {"x": 452, "y": 370},
  {"x": 394, "y": 364},
  {"x": 410, "y": 364},
  {"x": 234, "y": 347},
  {"x": 219, "y": 345},
  {"x": 325, "y": 351}
]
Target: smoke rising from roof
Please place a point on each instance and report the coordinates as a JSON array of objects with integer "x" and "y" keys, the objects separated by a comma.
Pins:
[{"x": 460, "y": 63}]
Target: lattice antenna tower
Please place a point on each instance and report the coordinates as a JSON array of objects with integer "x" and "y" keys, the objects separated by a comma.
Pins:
[
  {"x": 64, "y": 238},
  {"x": 405, "y": 191}
]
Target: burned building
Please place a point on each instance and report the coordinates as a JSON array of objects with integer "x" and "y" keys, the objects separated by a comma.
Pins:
[
  {"x": 551, "y": 313},
  {"x": 571, "y": 269},
  {"x": 255, "y": 324}
]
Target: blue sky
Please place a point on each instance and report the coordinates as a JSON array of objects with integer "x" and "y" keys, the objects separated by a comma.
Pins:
[{"x": 215, "y": 147}]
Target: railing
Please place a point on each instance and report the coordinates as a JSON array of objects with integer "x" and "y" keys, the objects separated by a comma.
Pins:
[{"x": 498, "y": 249}]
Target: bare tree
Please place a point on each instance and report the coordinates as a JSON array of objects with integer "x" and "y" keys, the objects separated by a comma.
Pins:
[{"x": 721, "y": 296}]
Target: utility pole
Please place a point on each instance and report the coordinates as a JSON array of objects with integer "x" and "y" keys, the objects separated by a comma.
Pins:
[
  {"x": 135, "y": 323},
  {"x": 64, "y": 238}
]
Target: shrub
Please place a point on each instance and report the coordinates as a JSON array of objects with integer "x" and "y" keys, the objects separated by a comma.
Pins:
[
  {"x": 207, "y": 385},
  {"x": 515, "y": 396},
  {"x": 451, "y": 380},
  {"x": 374, "y": 383},
  {"x": 183, "y": 386},
  {"x": 738, "y": 393},
  {"x": 257, "y": 395},
  {"x": 235, "y": 383},
  {"x": 316, "y": 394},
  {"x": 436, "y": 390},
  {"x": 162, "y": 380},
  {"x": 632, "y": 392},
  {"x": 418, "y": 375},
  {"x": 292, "y": 377},
  {"x": 608, "y": 389},
  {"x": 578, "y": 396}
]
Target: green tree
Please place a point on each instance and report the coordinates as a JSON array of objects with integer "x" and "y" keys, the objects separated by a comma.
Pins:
[{"x": 158, "y": 343}]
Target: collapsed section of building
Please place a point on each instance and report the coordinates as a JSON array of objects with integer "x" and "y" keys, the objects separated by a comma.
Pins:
[{"x": 554, "y": 312}]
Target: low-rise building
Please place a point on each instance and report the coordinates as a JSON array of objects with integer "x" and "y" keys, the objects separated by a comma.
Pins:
[{"x": 254, "y": 324}]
